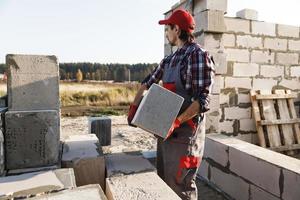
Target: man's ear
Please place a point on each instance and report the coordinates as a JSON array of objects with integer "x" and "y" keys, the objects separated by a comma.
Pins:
[{"x": 177, "y": 29}]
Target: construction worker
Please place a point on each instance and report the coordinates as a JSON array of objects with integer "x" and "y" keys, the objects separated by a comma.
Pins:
[{"x": 189, "y": 73}]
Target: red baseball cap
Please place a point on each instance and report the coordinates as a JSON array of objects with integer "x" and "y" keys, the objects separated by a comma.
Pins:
[{"x": 181, "y": 18}]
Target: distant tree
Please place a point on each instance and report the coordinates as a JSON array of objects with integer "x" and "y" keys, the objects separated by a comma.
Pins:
[{"x": 79, "y": 76}]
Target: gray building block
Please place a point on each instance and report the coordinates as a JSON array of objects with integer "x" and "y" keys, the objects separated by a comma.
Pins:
[
  {"x": 66, "y": 177},
  {"x": 247, "y": 14},
  {"x": 88, "y": 192},
  {"x": 2, "y": 164},
  {"x": 33, "y": 82},
  {"x": 142, "y": 186},
  {"x": 101, "y": 126},
  {"x": 32, "y": 138},
  {"x": 29, "y": 170},
  {"x": 158, "y": 110},
  {"x": 291, "y": 182},
  {"x": 82, "y": 153},
  {"x": 126, "y": 163},
  {"x": 29, "y": 184},
  {"x": 210, "y": 21}
]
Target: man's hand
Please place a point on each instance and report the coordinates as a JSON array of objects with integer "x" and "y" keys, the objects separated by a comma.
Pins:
[
  {"x": 131, "y": 113},
  {"x": 175, "y": 125}
]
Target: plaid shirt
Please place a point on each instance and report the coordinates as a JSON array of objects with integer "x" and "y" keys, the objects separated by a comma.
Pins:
[{"x": 196, "y": 71}]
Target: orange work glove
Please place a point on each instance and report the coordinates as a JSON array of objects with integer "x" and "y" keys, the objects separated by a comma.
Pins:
[
  {"x": 131, "y": 113},
  {"x": 175, "y": 125}
]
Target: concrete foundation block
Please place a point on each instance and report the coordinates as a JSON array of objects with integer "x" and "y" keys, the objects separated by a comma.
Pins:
[
  {"x": 216, "y": 151},
  {"x": 33, "y": 82},
  {"x": 142, "y": 186},
  {"x": 291, "y": 182},
  {"x": 126, "y": 163},
  {"x": 32, "y": 138},
  {"x": 200, "y": 5},
  {"x": 101, "y": 126},
  {"x": 91, "y": 192},
  {"x": 82, "y": 153},
  {"x": 247, "y": 14},
  {"x": 158, "y": 110},
  {"x": 210, "y": 21}
]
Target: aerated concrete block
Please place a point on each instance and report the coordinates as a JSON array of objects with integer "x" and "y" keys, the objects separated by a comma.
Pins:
[
  {"x": 101, "y": 126},
  {"x": 210, "y": 21},
  {"x": 90, "y": 192},
  {"x": 247, "y": 14},
  {"x": 33, "y": 82},
  {"x": 158, "y": 110},
  {"x": 32, "y": 138},
  {"x": 82, "y": 153},
  {"x": 126, "y": 163},
  {"x": 142, "y": 186}
]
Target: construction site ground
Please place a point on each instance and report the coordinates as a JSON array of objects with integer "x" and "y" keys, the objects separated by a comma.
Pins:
[{"x": 126, "y": 138}]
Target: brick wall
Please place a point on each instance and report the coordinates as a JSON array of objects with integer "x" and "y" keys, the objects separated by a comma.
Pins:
[{"x": 249, "y": 54}]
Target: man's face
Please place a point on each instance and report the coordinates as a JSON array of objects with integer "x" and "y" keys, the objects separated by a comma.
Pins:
[{"x": 171, "y": 34}]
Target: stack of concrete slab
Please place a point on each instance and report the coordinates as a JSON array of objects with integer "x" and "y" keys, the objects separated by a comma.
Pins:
[
  {"x": 33, "y": 117},
  {"x": 101, "y": 127},
  {"x": 29, "y": 184},
  {"x": 90, "y": 192},
  {"x": 83, "y": 154},
  {"x": 158, "y": 110}
]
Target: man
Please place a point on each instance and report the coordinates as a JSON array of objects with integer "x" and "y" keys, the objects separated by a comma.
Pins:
[{"x": 189, "y": 73}]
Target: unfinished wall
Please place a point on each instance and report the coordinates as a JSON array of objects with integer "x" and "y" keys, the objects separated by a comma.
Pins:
[{"x": 249, "y": 54}]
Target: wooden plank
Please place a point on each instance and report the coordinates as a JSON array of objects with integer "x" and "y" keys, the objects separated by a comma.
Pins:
[
  {"x": 269, "y": 113},
  {"x": 285, "y": 148},
  {"x": 287, "y": 129},
  {"x": 276, "y": 96},
  {"x": 294, "y": 116},
  {"x": 256, "y": 113},
  {"x": 278, "y": 121}
]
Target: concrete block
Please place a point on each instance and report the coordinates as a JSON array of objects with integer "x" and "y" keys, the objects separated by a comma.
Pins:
[
  {"x": 263, "y": 84},
  {"x": 91, "y": 192},
  {"x": 126, "y": 163},
  {"x": 288, "y": 31},
  {"x": 142, "y": 186},
  {"x": 247, "y": 14},
  {"x": 29, "y": 170},
  {"x": 263, "y": 28},
  {"x": 214, "y": 103},
  {"x": 203, "y": 169},
  {"x": 295, "y": 71},
  {"x": 247, "y": 41},
  {"x": 32, "y": 138},
  {"x": 238, "y": 83},
  {"x": 291, "y": 181},
  {"x": 82, "y": 153},
  {"x": 216, "y": 151},
  {"x": 258, "y": 194},
  {"x": 158, "y": 110},
  {"x": 212, "y": 121},
  {"x": 33, "y": 82},
  {"x": 211, "y": 21},
  {"x": 238, "y": 55},
  {"x": 268, "y": 175},
  {"x": 2, "y": 158},
  {"x": 245, "y": 69},
  {"x": 228, "y": 40},
  {"x": 292, "y": 84},
  {"x": 211, "y": 42},
  {"x": 270, "y": 71},
  {"x": 237, "y": 113},
  {"x": 275, "y": 44},
  {"x": 66, "y": 177},
  {"x": 29, "y": 184},
  {"x": 226, "y": 126},
  {"x": 243, "y": 98},
  {"x": 101, "y": 126},
  {"x": 200, "y": 5},
  {"x": 218, "y": 84},
  {"x": 262, "y": 57},
  {"x": 294, "y": 45},
  {"x": 220, "y": 62},
  {"x": 251, "y": 138},
  {"x": 287, "y": 58},
  {"x": 230, "y": 184},
  {"x": 247, "y": 125},
  {"x": 237, "y": 25}
]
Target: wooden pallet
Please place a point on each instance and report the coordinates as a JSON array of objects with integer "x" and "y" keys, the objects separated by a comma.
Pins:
[{"x": 276, "y": 120}]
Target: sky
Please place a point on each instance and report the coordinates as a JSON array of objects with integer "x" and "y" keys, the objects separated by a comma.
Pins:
[{"x": 106, "y": 31}]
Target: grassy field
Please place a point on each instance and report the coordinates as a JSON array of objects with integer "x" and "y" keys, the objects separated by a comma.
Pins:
[{"x": 93, "y": 98}]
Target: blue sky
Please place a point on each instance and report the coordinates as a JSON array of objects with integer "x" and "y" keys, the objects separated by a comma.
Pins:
[{"x": 108, "y": 31}]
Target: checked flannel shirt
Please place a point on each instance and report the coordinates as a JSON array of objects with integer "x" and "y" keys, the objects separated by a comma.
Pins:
[{"x": 197, "y": 72}]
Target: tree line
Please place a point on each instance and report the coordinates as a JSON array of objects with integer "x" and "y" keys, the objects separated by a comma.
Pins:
[{"x": 102, "y": 72}]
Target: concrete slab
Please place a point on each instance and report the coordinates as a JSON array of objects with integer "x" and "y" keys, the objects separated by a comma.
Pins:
[
  {"x": 32, "y": 82},
  {"x": 32, "y": 138},
  {"x": 101, "y": 126},
  {"x": 126, "y": 163},
  {"x": 29, "y": 184},
  {"x": 90, "y": 192},
  {"x": 82, "y": 153},
  {"x": 29, "y": 170},
  {"x": 66, "y": 177},
  {"x": 142, "y": 186},
  {"x": 158, "y": 110}
]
